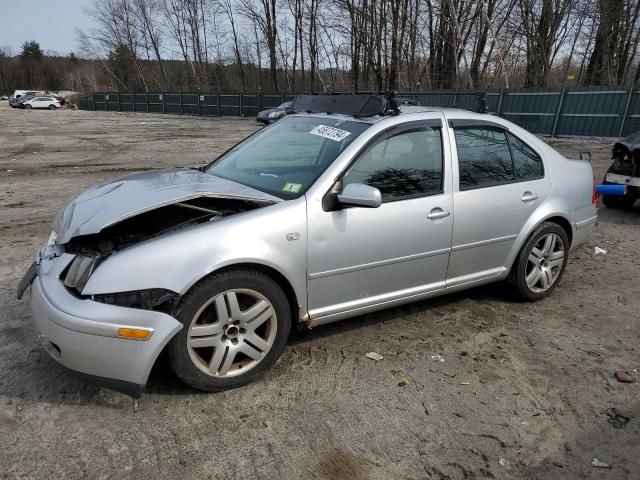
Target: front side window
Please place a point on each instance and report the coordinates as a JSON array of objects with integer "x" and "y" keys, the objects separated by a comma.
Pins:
[
  {"x": 403, "y": 165},
  {"x": 484, "y": 158},
  {"x": 528, "y": 163},
  {"x": 285, "y": 159}
]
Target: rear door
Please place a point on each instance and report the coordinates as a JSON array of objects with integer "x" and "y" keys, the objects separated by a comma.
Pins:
[{"x": 500, "y": 182}]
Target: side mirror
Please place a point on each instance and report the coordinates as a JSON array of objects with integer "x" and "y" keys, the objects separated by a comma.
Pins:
[{"x": 360, "y": 195}]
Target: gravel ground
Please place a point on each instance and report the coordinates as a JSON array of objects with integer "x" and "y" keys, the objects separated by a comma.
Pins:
[{"x": 525, "y": 391}]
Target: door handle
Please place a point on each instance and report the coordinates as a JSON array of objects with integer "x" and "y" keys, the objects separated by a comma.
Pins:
[
  {"x": 437, "y": 214},
  {"x": 529, "y": 197}
]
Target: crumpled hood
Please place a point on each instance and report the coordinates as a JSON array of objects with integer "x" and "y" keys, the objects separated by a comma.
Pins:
[{"x": 114, "y": 201}]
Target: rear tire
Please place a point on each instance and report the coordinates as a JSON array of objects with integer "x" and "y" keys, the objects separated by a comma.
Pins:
[
  {"x": 52, "y": 107},
  {"x": 541, "y": 262},
  {"x": 236, "y": 325},
  {"x": 621, "y": 203}
]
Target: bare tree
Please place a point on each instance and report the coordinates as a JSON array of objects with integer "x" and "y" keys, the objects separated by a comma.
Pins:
[
  {"x": 263, "y": 14},
  {"x": 616, "y": 42},
  {"x": 147, "y": 13},
  {"x": 541, "y": 22},
  {"x": 229, "y": 9}
]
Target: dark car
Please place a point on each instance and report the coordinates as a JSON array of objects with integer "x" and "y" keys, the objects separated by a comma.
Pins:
[
  {"x": 16, "y": 98},
  {"x": 625, "y": 170},
  {"x": 19, "y": 102},
  {"x": 274, "y": 114}
]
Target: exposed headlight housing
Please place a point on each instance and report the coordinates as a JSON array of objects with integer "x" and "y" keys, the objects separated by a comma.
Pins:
[
  {"x": 273, "y": 114},
  {"x": 156, "y": 299},
  {"x": 78, "y": 273}
]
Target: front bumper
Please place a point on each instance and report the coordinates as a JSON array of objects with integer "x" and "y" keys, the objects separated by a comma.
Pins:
[{"x": 82, "y": 335}]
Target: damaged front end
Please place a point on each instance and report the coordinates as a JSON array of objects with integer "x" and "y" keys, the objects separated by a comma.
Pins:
[
  {"x": 125, "y": 212},
  {"x": 92, "y": 249}
]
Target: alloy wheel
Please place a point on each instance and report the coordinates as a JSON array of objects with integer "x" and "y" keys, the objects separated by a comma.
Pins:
[
  {"x": 231, "y": 333},
  {"x": 545, "y": 262}
]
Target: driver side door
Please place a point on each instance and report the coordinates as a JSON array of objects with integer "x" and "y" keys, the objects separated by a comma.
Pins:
[{"x": 360, "y": 259}]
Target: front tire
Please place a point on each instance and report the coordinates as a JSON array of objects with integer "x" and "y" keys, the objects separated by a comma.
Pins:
[
  {"x": 541, "y": 262},
  {"x": 28, "y": 107},
  {"x": 236, "y": 325}
]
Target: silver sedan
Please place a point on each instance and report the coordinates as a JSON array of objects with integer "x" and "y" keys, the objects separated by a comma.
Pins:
[{"x": 314, "y": 219}]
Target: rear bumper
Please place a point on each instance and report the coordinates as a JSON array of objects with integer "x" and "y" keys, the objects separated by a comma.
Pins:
[
  {"x": 82, "y": 334},
  {"x": 583, "y": 231}
]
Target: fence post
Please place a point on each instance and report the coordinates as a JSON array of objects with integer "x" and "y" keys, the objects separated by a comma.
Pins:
[
  {"x": 626, "y": 111},
  {"x": 119, "y": 105},
  {"x": 162, "y": 95},
  {"x": 282, "y": 96},
  {"x": 199, "y": 113},
  {"x": 558, "y": 110},
  {"x": 146, "y": 97},
  {"x": 260, "y": 101},
  {"x": 218, "y": 101},
  {"x": 93, "y": 101},
  {"x": 181, "y": 102},
  {"x": 133, "y": 102},
  {"x": 455, "y": 100},
  {"x": 241, "y": 104}
]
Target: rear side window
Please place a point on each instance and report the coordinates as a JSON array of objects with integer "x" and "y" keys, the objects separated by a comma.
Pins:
[
  {"x": 484, "y": 158},
  {"x": 527, "y": 163},
  {"x": 407, "y": 164}
]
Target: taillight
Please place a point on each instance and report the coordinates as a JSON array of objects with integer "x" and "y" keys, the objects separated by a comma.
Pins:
[{"x": 594, "y": 196}]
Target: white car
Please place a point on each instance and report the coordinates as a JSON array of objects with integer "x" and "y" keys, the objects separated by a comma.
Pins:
[{"x": 41, "y": 102}]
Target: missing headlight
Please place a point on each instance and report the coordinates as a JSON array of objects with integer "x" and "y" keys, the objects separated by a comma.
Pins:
[
  {"x": 78, "y": 273},
  {"x": 157, "y": 299}
]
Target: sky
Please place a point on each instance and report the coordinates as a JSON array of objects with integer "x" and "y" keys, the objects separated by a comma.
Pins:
[{"x": 52, "y": 23}]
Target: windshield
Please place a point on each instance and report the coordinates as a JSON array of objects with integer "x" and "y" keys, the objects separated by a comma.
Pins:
[{"x": 285, "y": 159}]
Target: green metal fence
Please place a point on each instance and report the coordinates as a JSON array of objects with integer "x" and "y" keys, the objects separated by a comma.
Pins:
[{"x": 595, "y": 111}]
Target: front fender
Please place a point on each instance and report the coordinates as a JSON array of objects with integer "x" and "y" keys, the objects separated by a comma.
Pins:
[{"x": 178, "y": 260}]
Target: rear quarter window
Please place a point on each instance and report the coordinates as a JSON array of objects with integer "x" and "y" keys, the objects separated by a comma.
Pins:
[
  {"x": 528, "y": 164},
  {"x": 484, "y": 158}
]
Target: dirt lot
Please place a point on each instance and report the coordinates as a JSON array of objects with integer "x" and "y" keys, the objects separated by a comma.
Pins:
[{"x": 540, "y": 401}]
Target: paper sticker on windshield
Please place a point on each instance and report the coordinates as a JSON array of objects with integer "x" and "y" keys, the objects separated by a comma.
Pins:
[
  {"x": 292, "y": 187},
  {"x": 332, "y": 133}
]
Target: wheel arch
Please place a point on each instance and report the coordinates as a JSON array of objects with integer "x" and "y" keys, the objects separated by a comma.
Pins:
[
  {"x": 563, "y": 222},
  {"x": 556, "y": 218},
  {"x": 298, "y": 313}
]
